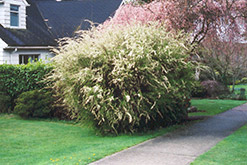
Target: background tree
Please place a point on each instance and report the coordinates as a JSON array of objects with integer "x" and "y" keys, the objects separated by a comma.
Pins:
[{"x": 227, "y": 60}]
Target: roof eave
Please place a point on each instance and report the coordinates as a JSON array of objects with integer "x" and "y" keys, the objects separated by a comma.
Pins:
[
  {"x": 25, "y": 2},
  {"x": 28, "y": 48}
]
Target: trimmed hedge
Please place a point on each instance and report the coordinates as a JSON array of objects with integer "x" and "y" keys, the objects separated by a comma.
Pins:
[
  {"x": 16, "y": 79},
  {"x": 126, "y": 79}
]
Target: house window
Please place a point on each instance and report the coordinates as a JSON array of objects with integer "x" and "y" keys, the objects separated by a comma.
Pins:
[
  {"x": 23, "y": 59},
  {"x": 14, "y": 15}
]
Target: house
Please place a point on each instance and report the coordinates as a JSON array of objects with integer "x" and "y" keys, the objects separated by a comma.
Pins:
[{"x": 30, "y": 28}]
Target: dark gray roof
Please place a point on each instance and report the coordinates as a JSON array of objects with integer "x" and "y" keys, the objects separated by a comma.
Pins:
[
  {"x": 48, "y": 20},
  {"x": 36, "y": 34}
]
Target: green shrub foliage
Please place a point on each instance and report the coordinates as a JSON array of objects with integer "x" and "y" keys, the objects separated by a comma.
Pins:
[
  {"x": 5, "y": 103},
  {"x": 243, "y": 81},
  {"x": 35, "y": 103},
  {"x": 15, "y": 79},
  {"x": 198, "y": 90},
  {"x": 125, "y": 79}
]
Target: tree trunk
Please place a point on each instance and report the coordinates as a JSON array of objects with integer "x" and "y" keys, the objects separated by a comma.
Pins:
[{"x": 233, "y": 84}]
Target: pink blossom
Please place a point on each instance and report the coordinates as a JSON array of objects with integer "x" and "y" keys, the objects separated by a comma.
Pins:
[{"x": 197, "y": 16}]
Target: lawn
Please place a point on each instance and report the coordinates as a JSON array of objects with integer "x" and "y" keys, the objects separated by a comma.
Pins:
[
  {"x": 231, "y": 150},
  {"x": 60, "y": 142},
  {"x": 214, "y": 107},
  {"x": 49, "y": 142},
  {"x": 237, "y": 88}
]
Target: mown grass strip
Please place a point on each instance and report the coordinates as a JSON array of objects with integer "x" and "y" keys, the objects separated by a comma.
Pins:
[
  {"x": 214, "y": 107},
  {"x": 231, "y": 151}
]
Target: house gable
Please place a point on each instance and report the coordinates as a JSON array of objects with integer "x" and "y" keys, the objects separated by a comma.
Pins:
[
  {"x": 13, "y": 13},
  {"x": 46, "y": 21}
]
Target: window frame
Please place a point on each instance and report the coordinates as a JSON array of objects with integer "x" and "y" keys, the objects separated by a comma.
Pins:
[
  {"x": 14, "y": 12},
  {"x": 24, "y": 58}
]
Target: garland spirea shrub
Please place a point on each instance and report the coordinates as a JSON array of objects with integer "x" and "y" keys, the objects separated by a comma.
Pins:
[
  {"x": 125, "y": 79},
  {"x": 15, "y": 79}
]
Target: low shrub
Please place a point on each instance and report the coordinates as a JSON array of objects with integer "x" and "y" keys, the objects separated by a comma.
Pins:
[
  {"x": 198, "y": 90},
  {"x": 214, "y": 88},
  {"x": 232, "y": 96},
  {"x": 125, "y": 79},
  {"x": 35, "y": 103},
  {"x": 5, "y": 103}
]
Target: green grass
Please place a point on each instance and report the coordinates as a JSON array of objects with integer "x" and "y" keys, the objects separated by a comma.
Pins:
[
  {"x": 237, "y": 88},
  {"x": 213, "y": 107},
  {"x": 231, "y": 150},
  {"x": 49, "y": 142},
  {"x": 58, "y": 142}
]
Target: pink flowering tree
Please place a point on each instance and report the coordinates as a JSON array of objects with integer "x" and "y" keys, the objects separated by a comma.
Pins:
[{"x": 198, "y": 17}]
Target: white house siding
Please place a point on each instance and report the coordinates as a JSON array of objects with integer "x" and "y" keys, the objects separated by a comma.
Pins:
[
  {"x": 2, "y": 14},
  {"x": 14, "y": 55},
  {"x": 3, "y": 54},
  {"x": 5, "y": 13}
]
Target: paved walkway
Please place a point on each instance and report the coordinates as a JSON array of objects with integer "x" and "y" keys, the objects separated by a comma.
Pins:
[{"x": 182, "y": 146}]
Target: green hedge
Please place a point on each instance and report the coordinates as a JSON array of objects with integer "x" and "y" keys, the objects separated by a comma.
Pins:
[{"x": 15, "y": 79}]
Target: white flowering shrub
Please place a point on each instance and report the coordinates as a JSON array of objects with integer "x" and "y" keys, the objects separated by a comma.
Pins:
[{"x": 125, "y": 79}]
